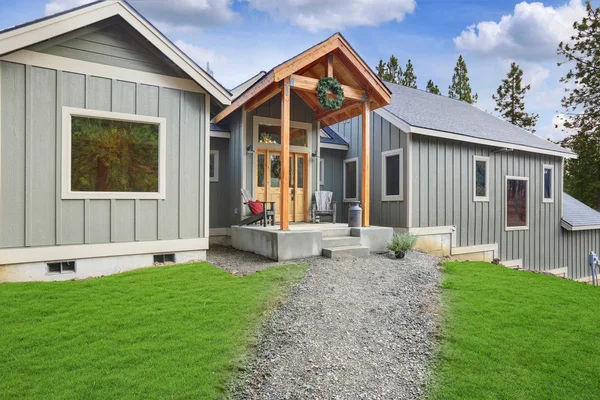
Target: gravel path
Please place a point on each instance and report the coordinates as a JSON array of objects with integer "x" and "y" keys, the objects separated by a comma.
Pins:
[{"x": 352, "y": 329}]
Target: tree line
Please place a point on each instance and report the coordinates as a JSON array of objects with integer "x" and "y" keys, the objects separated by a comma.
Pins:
[{"x": 581, "y": 102}]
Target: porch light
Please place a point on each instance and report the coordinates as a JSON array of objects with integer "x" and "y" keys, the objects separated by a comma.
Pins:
[
  {"x": 316, "y": 154},
  {"x": 250, "y": 149}
]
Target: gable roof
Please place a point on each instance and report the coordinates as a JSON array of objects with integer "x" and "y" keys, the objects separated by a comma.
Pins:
[
  {"x": 428, "y": 113},
  {"x": 25, "y": 35},
  {"x": 577, "y": 216},
  {"x": 242, "y": 87},
  {"x": 330, "y": 136},
  {"x": 357, "y": 79}
]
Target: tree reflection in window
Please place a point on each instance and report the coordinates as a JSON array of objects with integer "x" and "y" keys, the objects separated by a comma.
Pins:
[{"x": 113, "y": 156}]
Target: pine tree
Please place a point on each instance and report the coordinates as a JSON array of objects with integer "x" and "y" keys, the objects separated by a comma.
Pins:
[
  {"x": 409, "y": 78},
  {"x": 582, "y": 105},
  {"x": 390, "y": 71},
  {"x": 510, "y": 97},
  {"x": 460, "y": 88},
  {"x": 431, "y": 88}
]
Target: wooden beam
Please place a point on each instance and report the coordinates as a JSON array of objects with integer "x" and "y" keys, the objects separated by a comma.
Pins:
[
  {"x": 284, "y": 197},
  {"x": 300, "y": 82},
  {"x": 264, "y": 96},
  {"x": 330, "y": 65},
  {"x": 254, "y": 90},
  {"x": 333, "y": 113},
  {"x": 366, "y": 164},
  {"x": 306, "y": 58}
]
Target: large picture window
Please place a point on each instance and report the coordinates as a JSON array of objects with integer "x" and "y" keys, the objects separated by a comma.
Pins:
[
  {"x": 351, "y": 179},
  {"x": 481, "y": 175},
  {"x": 517, "y": 207},
  {"x": 391, "y": 175},
  {"x": 271, "y": 134},
  {"x": 548, "y": 185},
  {"x": 112, "y": 155}
]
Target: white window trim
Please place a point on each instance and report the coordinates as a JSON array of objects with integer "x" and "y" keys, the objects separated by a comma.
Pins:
[
  {"x": 355, "y": 199},
  {"x": 384, "y": 155},
  {"x": 67, "y": 193},
  {"x": 516, "y": 228},
  {"x": 487, "y": 178},
  {"x": 308, "y": 127},
  {"x": 215, "y": 178},
  {"x": 321, "y": 171},
  {"x": 551, "y": 168}
]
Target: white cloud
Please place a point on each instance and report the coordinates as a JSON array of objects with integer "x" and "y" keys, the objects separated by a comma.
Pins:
[
  {"x": 169, "y": 15},
  {"x": 202, "y": 55},
  {"x": 554, "y": 131},
  {"x": 532, "y": 32},
  {"x": 315, "y": 15}
]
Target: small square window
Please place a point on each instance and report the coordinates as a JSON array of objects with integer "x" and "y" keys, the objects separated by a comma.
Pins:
[
  {"x": 481, "y": 175},
  {"x": 164, "y": 258},
  {"x": 392, "y": 175},
  {"x": 548, "y": 184},
  {"x": 214, "y": 166},
  {"x": 61, "y": 267}
]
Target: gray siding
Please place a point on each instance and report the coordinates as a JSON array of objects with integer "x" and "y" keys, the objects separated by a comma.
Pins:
[
  {"x": 219, "y": 191},
  {"x": 333, "y": 161},
  {"x": 443, "y": 195},
  {"x": 384, "y": 136},
  {"x": 110, "y": 43},
  {"x": 577, "y": 246},
  {"x": 32, "y": 212}
]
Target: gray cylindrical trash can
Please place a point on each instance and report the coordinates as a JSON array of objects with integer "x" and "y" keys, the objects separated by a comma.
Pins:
[{"x": 355, "y": 216}]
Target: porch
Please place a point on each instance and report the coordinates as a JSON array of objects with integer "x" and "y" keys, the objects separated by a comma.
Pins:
[{"x": 302, "y": 240}]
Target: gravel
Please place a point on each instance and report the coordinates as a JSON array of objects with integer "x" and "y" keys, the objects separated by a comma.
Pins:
[{"x": 352, "y": 329}]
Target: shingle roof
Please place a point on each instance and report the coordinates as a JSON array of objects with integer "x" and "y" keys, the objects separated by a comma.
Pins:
[
  {"x": 333, "y": 137},
  {"x": 577, "y": 214},
  {"x": 431, "y": 111}
]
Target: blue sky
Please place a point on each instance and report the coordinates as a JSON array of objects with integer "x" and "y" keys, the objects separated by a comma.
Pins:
[{"x": 241, "y": 37}]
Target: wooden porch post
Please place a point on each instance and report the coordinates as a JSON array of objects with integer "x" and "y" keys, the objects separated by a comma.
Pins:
[
  {"x": 366, "y": 164},
  {"x": 285, "y": 156}
]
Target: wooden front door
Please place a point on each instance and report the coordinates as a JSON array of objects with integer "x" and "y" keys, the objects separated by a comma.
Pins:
[{"x": 268, "y": 173}]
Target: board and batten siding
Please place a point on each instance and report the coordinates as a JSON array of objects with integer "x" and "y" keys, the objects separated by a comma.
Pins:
[
  {"x": 333, "y": 164},
  {"x": 384, "y": 136},
  {"x": 219, "y": 191},
  {"x": 443, "y": 179},
  {"x": 577, "y": 246},
  {"x": 32, "y": 212}
]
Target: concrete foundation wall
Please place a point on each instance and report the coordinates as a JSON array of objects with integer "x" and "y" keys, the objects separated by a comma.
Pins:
[{"x": 89, "y": 267}]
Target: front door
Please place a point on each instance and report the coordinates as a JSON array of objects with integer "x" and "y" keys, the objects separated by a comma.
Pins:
[{"x": 268, "y": 188}]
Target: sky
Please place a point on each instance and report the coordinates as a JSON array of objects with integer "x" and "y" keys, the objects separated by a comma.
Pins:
[{"x": 239, "y": 38}]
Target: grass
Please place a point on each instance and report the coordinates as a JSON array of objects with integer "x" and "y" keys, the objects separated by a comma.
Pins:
[
  {"x": 516, "y": 335},
  {"x": 176, "y": 332}
]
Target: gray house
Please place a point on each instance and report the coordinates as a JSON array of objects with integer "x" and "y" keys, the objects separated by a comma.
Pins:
[
  {"x": 117, "y": 151},
  {"x": 76, "y": 201}
]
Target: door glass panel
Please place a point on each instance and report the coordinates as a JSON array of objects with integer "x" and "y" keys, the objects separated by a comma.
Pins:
[
  {"x": 261, "y": 170},
  {"x": 275, "y": 170},
  {"x": 300, "y": 172},
  {"x": 291, "y": 164}
]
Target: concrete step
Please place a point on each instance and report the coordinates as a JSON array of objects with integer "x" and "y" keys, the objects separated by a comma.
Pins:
[
  {"x": 345, "y": 251},
  {"x": 336, "y": 232},
  {"x": 339, "y": 241}
]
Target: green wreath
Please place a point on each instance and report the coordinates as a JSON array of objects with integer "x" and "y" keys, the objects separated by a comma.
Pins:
[{"x": 326, "y": 84}]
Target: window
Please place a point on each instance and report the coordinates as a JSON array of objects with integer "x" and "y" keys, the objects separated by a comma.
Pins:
[
  {"x": 164, "y": 258},
  {"x": 271, "y": 134},
  {"x": 214, "y": 166},
  {"x": 548, "y": 185},
  {"x": 112, "y": 155},
  {"x": 351, "y": 179},
  {"x": 322, "y": 171},
  {"x": 391, "y": 175},
  {"x": 517, "y": 207},
  {"x": 481, "y": 176},
  {"x": 61, "y": 267}
]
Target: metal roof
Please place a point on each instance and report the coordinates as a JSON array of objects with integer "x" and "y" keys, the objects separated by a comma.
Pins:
[
  {"x": 422, "y": 109},
  {"x": 331, "y": 136},
  {"x": 577, "y": 214}
]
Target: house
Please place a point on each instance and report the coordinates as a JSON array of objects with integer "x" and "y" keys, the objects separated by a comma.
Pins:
[
  {"x": 117, "y": 151},
  {"x": 65, "y": 211}
]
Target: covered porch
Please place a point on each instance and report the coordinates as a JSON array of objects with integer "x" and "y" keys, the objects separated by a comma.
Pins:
[{"x": 283, "y": 139}]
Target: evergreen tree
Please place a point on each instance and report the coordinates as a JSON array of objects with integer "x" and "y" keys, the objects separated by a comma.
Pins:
[
  {"x": 509, "y": 99},
  {"x": 390, "y": 71},
  {"x": 582, "y": 105},
  {"x": 431, "y": 88},
  {"x": 460, "y": 88},
  {"x": 409, "y": 78}
]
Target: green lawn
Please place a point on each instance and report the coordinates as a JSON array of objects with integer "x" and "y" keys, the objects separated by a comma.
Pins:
[
  {"x": 175, "y": 332},
  {"x": 517, "y": 335}
]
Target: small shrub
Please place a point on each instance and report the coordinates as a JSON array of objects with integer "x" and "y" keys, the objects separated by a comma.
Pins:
[{"x": 402, "y": 242}]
